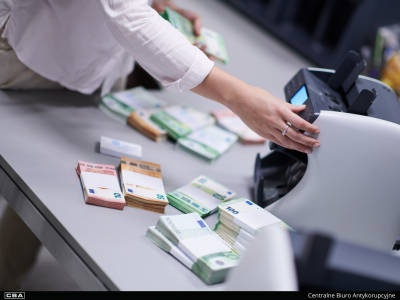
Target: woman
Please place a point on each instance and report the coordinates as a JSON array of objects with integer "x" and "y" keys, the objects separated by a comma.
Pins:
[{"x": 90, "y": 45}]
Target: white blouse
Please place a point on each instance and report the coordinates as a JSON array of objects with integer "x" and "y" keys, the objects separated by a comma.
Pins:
[{"x": 83, "y": 44}]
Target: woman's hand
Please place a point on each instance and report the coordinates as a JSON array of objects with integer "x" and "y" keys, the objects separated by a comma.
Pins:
[
  {"x": 159, "y": 6},
  {"x": 260, "y": 110},
  {"x": 268, "y": 117},
  {"x": 195, "y": 18}
]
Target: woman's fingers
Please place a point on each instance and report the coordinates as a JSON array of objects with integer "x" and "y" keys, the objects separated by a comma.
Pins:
[
  {"x": 194, "y": 18},
  {"x": 301, "y": 138},
  {"x": 298, "y": 122},
  {"x": 289, "y": 143}
]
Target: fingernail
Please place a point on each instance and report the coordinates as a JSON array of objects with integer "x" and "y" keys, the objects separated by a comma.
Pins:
[
  {"x": 316, "y": 132},
  {"x": 308, "y": 151},
  {"x": 316, "y": 145}
]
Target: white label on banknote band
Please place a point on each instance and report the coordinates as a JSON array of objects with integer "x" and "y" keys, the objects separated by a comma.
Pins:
[
  {"x": 245, "y": 235},
  {"x": 242, "y": 241},
  {"x": 142, "y": 180},
  {"x": 202, "y": 246},
  {"x": 239, "y": 247},
  {"x": 241, "y": 207},
  {"x": 205, "y": 199},
  {"x": 189, "y": 116},
  {"x": 181, "y": 256},
  {"x": 100, "y": 180},
  {"x": 186, "y": 226},
  {"x": 254, "y": 220},
  {"x": 175, "y": 251},
  {"x": 214, "y": 137},
  {"x": 106, "y": 194}
]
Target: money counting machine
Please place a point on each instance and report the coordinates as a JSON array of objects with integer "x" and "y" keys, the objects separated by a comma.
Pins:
[{"x": 350, "y": 186}]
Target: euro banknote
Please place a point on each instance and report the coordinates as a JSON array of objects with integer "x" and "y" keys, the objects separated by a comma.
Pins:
[
  {"x": 208, "y": 143},
  {"x": 213, "y": 41},
  {"x": 229, "y": 121},
  {"x": 180, "y": 120},
  {"x": 201, "y": 195}
]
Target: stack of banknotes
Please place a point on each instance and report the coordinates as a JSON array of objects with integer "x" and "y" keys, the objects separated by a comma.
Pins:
[
  {"x": 228, "y": 120},
  {"x": 239, "y": 221},
  {"x": 180, "y": 120},
  {"x": 135, "y": 106},
  {"x": 142, "y": 185},
  {"x": 202, "y": 195},
  {"x": 208, "y": 143},
  {"x": 100, "y": 185},
  {"x": 213, "y": 41},
  {"x": 190, "y": 240},
  {"x": 140, "y": 119}
]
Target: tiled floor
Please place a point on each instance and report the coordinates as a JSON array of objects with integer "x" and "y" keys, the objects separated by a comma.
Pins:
[{"x": 46, "y": 274}]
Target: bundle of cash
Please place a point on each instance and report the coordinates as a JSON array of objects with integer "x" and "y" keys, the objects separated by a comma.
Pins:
[
  {"x": 201, "y": 195},
  {"x": 180, "y": 120},
  {"x": 239, "y": 221},
  {"x": 211, "y": 256},
  {"x": 208, "y": 143},
  {"x": 135, "y": 106},
  {"x": 213, "y": 41},
  {"x": 142, "y": 185},
  {"x": 160, "y": 240},
  {"x": 100, "y": 185},
  {"x": 228, "y": 120},
  {"x": 140, "y": 119}
]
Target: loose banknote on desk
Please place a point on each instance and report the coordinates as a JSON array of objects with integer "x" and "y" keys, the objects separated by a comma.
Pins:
[
  {"x": 239, "y": 221},
  {"x": 201, "y": 195},
  {"x": 180, "y": 120},
  {"x": 212, "y": 258},
  {"x": 100, "y": 185},
  {"x": 135, "y": 106},
  {"x": 228, "y": 120},
  {"x": 208, "y": 143},
  {"x": 215, "y": 45},
  {"x": 118, "y": 148},
  {"x": 142, "y": 185}
]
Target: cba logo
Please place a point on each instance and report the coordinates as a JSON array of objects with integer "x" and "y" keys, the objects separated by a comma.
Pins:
[{"x": 14, "y": 295}]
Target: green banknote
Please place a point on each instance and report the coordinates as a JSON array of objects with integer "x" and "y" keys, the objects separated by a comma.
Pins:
[
  {"x": 208, "y": 143},
  {"x": 180, "y": 120},
  {"x": 201, "y": 195},
  {"x": 213, "y": 41},
  {"x": 120, "y": 105}
]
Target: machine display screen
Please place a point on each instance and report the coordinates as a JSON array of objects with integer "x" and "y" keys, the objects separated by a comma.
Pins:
[{"x": 300, "y": 97}]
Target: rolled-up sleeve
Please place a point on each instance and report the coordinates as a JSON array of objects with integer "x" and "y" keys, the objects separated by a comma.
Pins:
[{"x": 155, "y": 44}]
